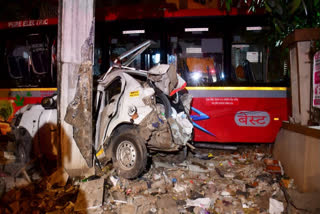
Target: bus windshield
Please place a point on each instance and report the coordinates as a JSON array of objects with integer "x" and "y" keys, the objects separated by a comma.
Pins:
[
  {"x": 225, "y": 53},
  {"x": 198, "y": 56}
]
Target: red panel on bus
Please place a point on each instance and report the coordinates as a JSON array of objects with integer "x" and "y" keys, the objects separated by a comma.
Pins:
[{"x": 239, "y": 119}]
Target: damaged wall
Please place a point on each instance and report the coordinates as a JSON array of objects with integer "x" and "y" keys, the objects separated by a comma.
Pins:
[
  {"x": 79, "y": 112},
  {"x": 299, "y": 152},
  {"x": 75, "y": 45}
]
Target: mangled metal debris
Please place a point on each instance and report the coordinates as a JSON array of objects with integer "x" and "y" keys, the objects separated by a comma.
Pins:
[{"x": 138, "y": 111}]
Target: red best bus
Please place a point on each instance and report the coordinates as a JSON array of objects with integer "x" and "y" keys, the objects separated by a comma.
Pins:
[
  {"x": 27, "y": 62},
  {"x": 238, "y": 82}
]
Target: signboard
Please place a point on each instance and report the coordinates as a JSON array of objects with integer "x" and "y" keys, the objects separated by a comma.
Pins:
[
  {"x": 194, "y": 50},
  {"x": 253, "y": 57},
  {"x": 28, "y": 23},
  {"x": 252, "y": 118},
  {"x": 316, "y": 80}
]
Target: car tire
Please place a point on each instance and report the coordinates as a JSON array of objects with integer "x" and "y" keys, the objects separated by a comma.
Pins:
[
  {"x": 23, "y": 146},
  {"x": 129, "y": 152},
  {"x": 163, "y": 99}
]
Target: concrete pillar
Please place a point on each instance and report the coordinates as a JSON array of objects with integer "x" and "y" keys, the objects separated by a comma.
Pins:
[
  {"x": 300, "y": 65},
  {"x": 75, "y": 32},
  {"x": 299, "y": 43}
]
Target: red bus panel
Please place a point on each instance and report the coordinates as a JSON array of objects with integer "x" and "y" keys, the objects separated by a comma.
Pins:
[{"x": 238, "y": 114}]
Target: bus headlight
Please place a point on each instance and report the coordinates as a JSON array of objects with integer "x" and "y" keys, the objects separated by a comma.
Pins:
[{"x": 196, "y": 76}]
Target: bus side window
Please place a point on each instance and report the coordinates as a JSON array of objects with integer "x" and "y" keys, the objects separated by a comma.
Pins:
[{"x": 14, "y": 67}]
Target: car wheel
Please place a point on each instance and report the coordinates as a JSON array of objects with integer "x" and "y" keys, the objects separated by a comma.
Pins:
[
  {"x": 163, "y": 99},
  {"x": 23, "y": 146},
  {"x": 129, "y": 152}
]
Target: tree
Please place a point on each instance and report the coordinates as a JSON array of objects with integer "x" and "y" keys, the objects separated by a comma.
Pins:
[{"x": 285, "y": 15}]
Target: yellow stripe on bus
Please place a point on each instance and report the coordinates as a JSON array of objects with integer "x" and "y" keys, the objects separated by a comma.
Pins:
[
  {"x": 222, "y": 88},
  {"x": 28, "y": 89}
]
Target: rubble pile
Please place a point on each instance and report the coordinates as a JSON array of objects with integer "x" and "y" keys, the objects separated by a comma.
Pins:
[
  {"x": 244, "y": 181},
  {"x": 222, "y": 182},
  {"x": 51, "y": 194}
]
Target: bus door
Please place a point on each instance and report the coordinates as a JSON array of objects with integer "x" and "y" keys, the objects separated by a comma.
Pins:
[
  {"x": 259, "y": 81},
  {"x": 197, "y": 51}
]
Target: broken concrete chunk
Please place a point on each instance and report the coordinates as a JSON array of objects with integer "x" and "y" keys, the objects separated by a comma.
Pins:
[
  {"x": 194, "y": 167},
  {"x": 158, "y": 164},
  {"x": 59, "y": 178},
  {"x": 199, "y": 202},
  {"x": 229, "y": 175},
  {"x": 225, "y": 193},
  {"x": 165, "y": 202},
  {"x": 119, "y": 197},
  {"x": 90, "y": 195},
  {"x": 275, "y": 206},
  {"x": 180, "y": 188},
  {"x": 156, "y": 177},
  {"x": 159, "y": 183},
  {"x": 127, "y": 209},
  {"x": 139, "y": 187}
]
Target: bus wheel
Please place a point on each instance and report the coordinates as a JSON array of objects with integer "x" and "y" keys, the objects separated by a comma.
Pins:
[{"x": 129, "y": 152}]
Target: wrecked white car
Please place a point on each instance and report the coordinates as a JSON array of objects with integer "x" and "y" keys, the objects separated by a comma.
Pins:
[
  {"x": 135, "y": 112},
  {"x": 140, "y": 111}
]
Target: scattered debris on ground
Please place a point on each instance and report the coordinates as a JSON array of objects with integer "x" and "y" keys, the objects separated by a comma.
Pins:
[{"x": 244, "y": 181}]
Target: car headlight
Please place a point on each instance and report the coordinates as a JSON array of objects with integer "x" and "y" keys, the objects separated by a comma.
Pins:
[{"x": 48, "y": 103}]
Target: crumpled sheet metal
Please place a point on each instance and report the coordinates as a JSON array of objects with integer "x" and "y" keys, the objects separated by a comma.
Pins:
[
  {"x": 181, "y": 128},
  {"x": 79, "y": 112},
  {"x": 186, "y": 100},
  {"x": 156, "y": 133},
  {"x": 165, "y": 77}
]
